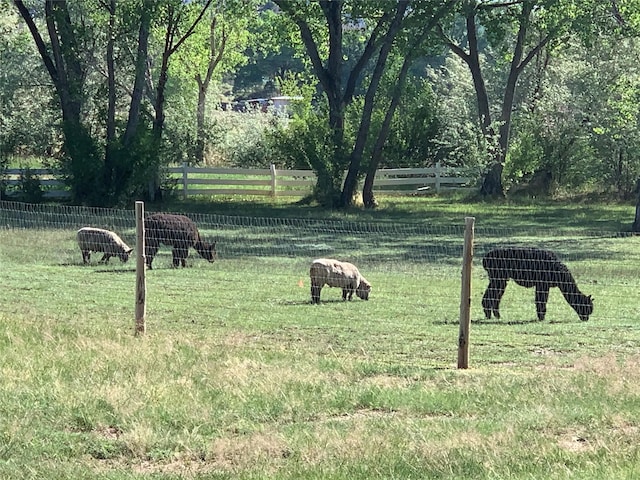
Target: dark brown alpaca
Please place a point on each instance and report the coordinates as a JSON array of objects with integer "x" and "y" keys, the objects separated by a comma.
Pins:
[
  {"x": 177, "y": 231},
  {"x": 531, "y": 267}
]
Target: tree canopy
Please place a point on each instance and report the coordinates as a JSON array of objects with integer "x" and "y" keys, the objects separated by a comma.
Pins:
[{"x": 540, "y": 92}]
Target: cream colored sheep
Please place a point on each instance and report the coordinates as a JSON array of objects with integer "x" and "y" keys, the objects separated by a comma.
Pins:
[
  {"x": 92, "y": 239},
  {"x": 326, "y": 271}
]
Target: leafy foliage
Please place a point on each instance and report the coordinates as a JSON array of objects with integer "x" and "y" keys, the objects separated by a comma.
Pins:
[
  {"x": 29, "y": 188},
  {"x": 306, "y": 141},
  {"x": 574, "y": 112}
]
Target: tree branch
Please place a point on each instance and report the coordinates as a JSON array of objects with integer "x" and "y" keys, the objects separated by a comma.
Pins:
[
  {"x": 35, "y": 33},
  {"x": 307, "y": 38},
  {"x": 191, "y": 29},
  {"x": 490, "y": 4},
  {"x": 455, "y": 48},
  {"x": 370, "y": 48}
]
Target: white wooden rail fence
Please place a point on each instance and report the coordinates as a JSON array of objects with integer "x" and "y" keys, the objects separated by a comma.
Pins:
[
  {"x": 191, "y": 181},
  {"x": 50, "y": 183},
  {"x": 275, "y": 182}
]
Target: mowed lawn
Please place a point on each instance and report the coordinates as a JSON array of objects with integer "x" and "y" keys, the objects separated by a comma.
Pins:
[{"x": 239, "y": 376}]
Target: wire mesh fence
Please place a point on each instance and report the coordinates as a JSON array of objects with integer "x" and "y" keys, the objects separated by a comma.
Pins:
[{"x": 417, "y": 262}]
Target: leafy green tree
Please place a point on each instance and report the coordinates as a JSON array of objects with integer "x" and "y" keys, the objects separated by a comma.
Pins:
[
  {"x": 216, "y": 48},
  {"x": 512, "y": 34},
  {"x": 414, "y": 41},
  {"x": 460, "y": 140},
  {"x": 67, "y": 68},
  {"x": 328, "y": 23},
  {"x": 111, "y": 147},
  {"x": 25, "y": 127}
]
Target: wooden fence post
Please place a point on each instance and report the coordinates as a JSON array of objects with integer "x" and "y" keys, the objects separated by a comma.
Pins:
[
  {"x": 141, "y": 283},
  {"x": 465, "y": 294},
  {"x": 274, "y": 182},
  {"x": 185, "y": 181},
  {"x": 437, "y": 177}
]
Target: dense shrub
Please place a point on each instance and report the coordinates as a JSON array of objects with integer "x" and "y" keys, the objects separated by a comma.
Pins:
[{"x": 240, "y": 139}]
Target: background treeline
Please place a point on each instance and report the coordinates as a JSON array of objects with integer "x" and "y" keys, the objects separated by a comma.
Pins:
[{"x": 531, "y": 96}]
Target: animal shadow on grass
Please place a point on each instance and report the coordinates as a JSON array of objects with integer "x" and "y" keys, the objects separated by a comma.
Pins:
[
  {"x": 484, "y": 321},
  {"x": 292, "y": 303},
  {"x": 96, "y": 267},
  {"x": 497, "y": 321},
  {"x": 114, "y": 270}
]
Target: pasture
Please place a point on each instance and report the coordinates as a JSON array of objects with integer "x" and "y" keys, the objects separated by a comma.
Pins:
[{"x": 239, "y": 376}]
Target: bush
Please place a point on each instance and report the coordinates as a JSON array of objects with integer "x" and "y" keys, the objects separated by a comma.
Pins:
[
  {"x": 29, "y": 188},
  {"x": 240, "y": 139}
]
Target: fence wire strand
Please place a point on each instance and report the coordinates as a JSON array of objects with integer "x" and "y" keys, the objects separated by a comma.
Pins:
[{"x": 427, "y": 257}]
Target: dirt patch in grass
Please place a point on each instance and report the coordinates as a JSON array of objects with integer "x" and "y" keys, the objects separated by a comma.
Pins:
[
  {"x": 108, "y": 431},
  {"x": 574, "y": 442}
]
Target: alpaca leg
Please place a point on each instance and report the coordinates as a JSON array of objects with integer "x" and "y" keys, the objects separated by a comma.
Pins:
[
  {"x": 542, "y": 295},
  {"x": 492, "y": 296},
  {"x": 179, "y": 256},
  {"x": 315, "y": 293},
  {"x": 487, "y": 303},
  {"x": 150, "y": 252}
]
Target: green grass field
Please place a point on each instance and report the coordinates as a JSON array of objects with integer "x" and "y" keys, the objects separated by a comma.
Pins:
[{"x": 239, "y": 376}]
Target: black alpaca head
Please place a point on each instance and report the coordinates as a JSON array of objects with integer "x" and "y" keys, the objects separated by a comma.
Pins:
[
  {"x": 206, "y": 250},
  {"x": 583, "y": 305}
]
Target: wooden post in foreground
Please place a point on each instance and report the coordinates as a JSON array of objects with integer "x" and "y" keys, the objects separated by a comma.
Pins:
[
  {"x": 141, "y": 283},
  {"x": 465, "y": 294}
]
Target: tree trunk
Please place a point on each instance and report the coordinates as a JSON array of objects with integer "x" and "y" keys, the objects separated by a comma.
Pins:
[
  {"x": 200, "y": 117},
  {"x": 82, "y": 163},
  {"x": 351, "y": 182},
  {"x": 140, "y": 74},
  {"x": 216, "y": 51},
  {"x": 330, "y": 78},
  {"x": 473, "y": 61},
  {"x": 163, "y": 77},
  {"x": 111, "y": 103},
  {"x": 368, "y": 197},
  {"x": 170, "y": 47},
  {"x": 636, "y": 221},
  {"x": 492, "y": 183}
]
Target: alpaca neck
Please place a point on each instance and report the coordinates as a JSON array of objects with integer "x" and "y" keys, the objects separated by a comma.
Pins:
[
  {"x": 570, "y": 291},
  {"x": 202, "y": 248}
]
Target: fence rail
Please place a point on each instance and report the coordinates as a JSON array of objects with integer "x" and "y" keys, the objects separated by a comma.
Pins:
[
  {"x": 13, "y": 180},
  {"x": 276, "y": 183},
  {"x": 192, "y": 181}
]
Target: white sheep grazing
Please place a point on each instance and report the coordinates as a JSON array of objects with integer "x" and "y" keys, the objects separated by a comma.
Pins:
[
  {"x": 326, "y": 271},
  {"x": 92, "y": 239}
]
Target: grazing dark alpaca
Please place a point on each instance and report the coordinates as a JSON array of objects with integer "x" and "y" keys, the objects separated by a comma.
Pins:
[
  {"x": 531, "y": 267},
  {"x": 177, "y": 231}
]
